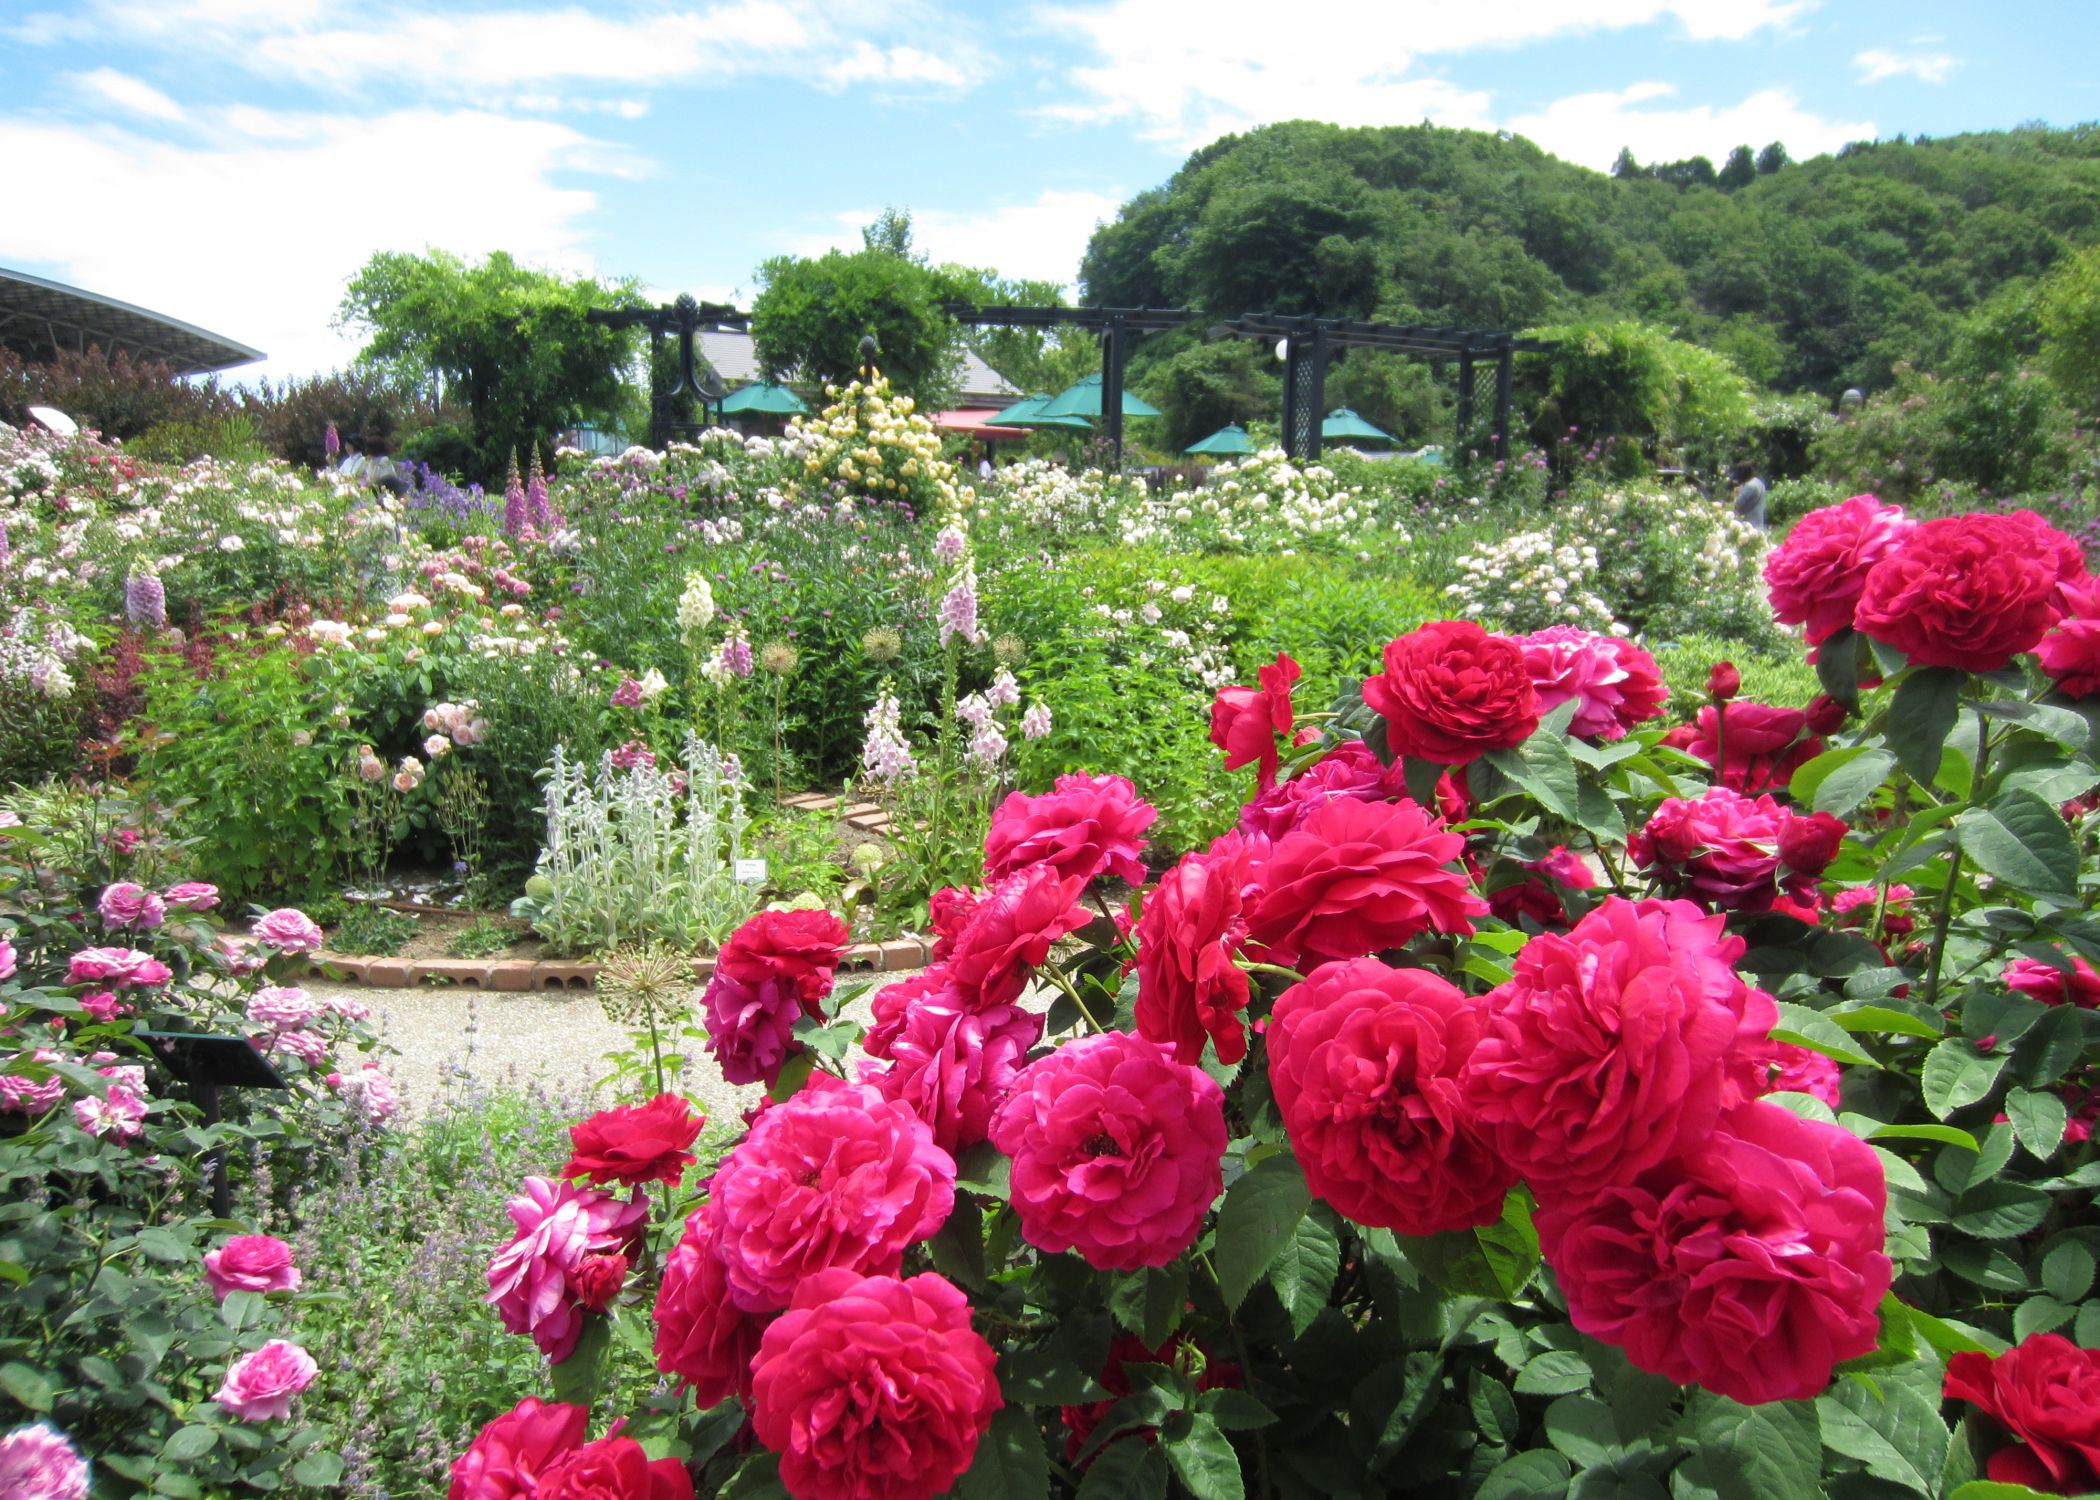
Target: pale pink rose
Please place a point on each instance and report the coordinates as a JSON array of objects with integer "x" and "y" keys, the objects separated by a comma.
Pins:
[
  {"x": 309, "y": 1047},
  {"x": 191, "y": 895},
  {"x": 28, "y": 1096},
  {"x": 7, "y": 959},
  {"x": 120, "y": 1117},
  {"x": 370, "y": 1092},
  {"x": 288, "y": 930},
  {"x": 1615, "y": 684},
  {"x": 251, "y": 1263},
  {"x": 284, "y": 1005},
  {"x": 260, "y": 1386},
  {"x": 558, "y": 1225},
  {"x": 103, "y": 1006},
  {"x": 119, "y": 968},
  {"x": 38, "y": 1463},
  {"x": 127, "y": 905}
]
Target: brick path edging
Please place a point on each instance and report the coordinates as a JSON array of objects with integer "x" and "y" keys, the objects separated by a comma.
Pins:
[{"x": 519, "y": 976}]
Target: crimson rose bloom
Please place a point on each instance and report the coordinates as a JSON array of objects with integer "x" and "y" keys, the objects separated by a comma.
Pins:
[
  {"x": 1616, "y": 1045},
  {"x": 614, "y": 1468},
  {"x": 1815, "y": 576},
  {"x": 702, "y": 1336},
  {"x": 1735, "y": 853},
  {"x": 2070, "y": 654},
  {"x": 1615, "y": 684},
  {"x": 833, "y": 1177},
  {"x": 1116, "y": 1151},
  {"x": 1450, "y": 692},
  {"x": 1751, "y": 1265},
  {"x": 1970, "y": 592},
  {"x": 870, "y": 1388},
  {"x": 636, "y": 1143},
  {"x": 1537, "y": 895},
  {"x": 506, "y": 1461},
  {"x": 893, "y": 1004},
  {"x": 1088, "y": 826},
  {"x": 1348, "y": 772},
  {"x": 1192, "y": 927},
  {"x": 1010, "y": 933},
  {"x": 951, "y": 1066},
  {"x": 950, "y": 909},
  {"x": 1764, "y": 745},
  {"x": 1366, "y": 1062},
  {"x": 801, "y": 948},
  {"x": 1245, "y": 722},
  {"x": 2041, "y": 980},
  {"x": 2046, "y": 1392},
  {"x": 1358, "y": 877}
]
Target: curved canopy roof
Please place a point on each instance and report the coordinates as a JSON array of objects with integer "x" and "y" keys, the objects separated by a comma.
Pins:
[{"x": 39, "y": 317}]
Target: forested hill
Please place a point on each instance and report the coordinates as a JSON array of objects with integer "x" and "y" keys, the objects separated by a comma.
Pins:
[{"x": 1812, "y": 275}]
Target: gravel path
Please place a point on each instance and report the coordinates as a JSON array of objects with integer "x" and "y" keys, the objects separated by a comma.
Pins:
[{"x": 560, "y": 1040}]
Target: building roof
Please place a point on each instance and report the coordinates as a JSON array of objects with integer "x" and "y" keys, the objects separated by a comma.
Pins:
[
  {"x": 39, "y": 317},
  {"x": 731, "y": 352}
]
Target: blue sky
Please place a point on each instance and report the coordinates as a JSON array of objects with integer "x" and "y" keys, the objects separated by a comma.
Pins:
[{"x": 232, "y": 162}]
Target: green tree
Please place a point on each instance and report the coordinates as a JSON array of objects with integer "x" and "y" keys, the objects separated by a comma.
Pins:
[
  {"x": 1772, "y": 158},
  {"x": 1202, "y": 387},
  {"x": 512, "y": 344},
  {"x": 1739, "y": 171},
  {"x": 2069, "y": 314}
]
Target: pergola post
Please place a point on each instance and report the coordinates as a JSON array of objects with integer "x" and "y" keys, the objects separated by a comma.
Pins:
[
  {"x": 1304, "y": 392},
  {"x": 1505, "y": 371},
  {"x": 685, "y": 317},
  {"x": 1114, "y": 349},
  {"x": 1465, "y": 400}
]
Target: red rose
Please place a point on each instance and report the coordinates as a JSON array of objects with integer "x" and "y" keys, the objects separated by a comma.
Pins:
[
  {"x": 2046, "y": 1392},
  {"x": 1727, "y": 851},
  {"x": 2070, "y": 654},
  {"x": 597, "y": 1279},
  {"x": 1817, "y": 573},
  {"x": 1537, "y": 894},
  {"x": 800, "y": 947},
  {"x": 1366, "y": 1062},
  {"x": 1723, "y": 682},
  {"x": 1807, "y": 845},
  {"x": 1192, "y": 927},
  {"x": 1825, "y": 715},
  {"x": 507, "y": 1460},
  {"x": 950, "y": 909},
  {"x": 614, "y": 1468},
  {"x": 1764, "y": 745},
  {"x": 2041, "y": 980},
  {"x": 1616, "y": 1045},
  {"x": 1359, "y": 877},
  {"x": 1970, "y": 592},
  {"x": 1349, "y": 770},
  {"x": 1088, "y": 826},
  {"x": 870, "y": 1388},
  {"x": 1011, "y": 933},
  {"x": 1451, "y": 692},
  {"x": 1245, "y": 722},
  {"x": 636, "y": 1143},
  {"x": 702, "y": 1336},
  {"x": 1752, "y": 1265}
]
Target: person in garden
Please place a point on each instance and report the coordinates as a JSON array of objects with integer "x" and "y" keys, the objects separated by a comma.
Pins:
[{"x": 1749, "y": 494}]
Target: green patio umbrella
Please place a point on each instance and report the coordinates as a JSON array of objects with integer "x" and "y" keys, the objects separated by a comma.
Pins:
[
  {"x": 1344, "y": 423},
  {"x": 1083, "y": 399},
  {"x": 1232, "y": 439},
  {"x": 1028, "y": 412},
  {"x": 774, "y": 400}
]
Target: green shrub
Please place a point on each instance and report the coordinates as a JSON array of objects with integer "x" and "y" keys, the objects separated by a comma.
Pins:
[{"x": 1778, "y": 677}]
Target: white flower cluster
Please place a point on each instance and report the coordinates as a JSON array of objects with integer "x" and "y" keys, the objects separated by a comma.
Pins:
[
  {"x": 1049, "y": 497},
  {"x": 1529, "y": 581},
  {"x": 1269, "y": 503}
]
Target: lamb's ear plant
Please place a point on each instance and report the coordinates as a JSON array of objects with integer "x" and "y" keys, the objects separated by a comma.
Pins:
[{"x": 640, "y": 854}]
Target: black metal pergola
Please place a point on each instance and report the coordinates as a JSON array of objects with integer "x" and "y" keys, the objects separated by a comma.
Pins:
[
  {"x": 684, "y": 317},
  {"x": 1311, "y": 342},
  {"x": 1117, "y": 327}
]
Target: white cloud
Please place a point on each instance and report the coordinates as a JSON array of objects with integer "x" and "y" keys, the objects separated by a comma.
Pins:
[
  {"x": 1041, "y": 240},
  {"x": 1876, "y": 64},
  {"x": 1591, "y": 128},
  {"x": 1185, "y": 79},
  {"x": 867, "y": 63},
  {"x": 256, "y": 232},
  {"x": 127, "y": 93}
]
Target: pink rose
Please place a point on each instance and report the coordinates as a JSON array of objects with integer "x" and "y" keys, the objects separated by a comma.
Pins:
[
  {"x": 870, "y": 1388},
  {"x": 702, "y": 1336},
  {"x": 1366, "y": 1062},
  {"x": 1116, "y": 1151},
  {"x": 127, "y": 905},
  {"x": 371, "y": 1093},
  {"x": 2040, "y": 980},
  {"x": 1010, "y": 934},
  {"x": 506, "y": 1460},
  {"x": 1190, "y": 931},
  {"x": 191, "y": 895},
  {"x": 1764, "y": 745},
  {"x": 1347, "y": 772},
  {"x": 1537, "y": 894},
  {"x": 38, "y": 1463},
  {"x": 774, "y": 970},
  {"x": 288, "y": 930},
  {"x": 259, "y": 1387},
  {"x": 834, "y": 1177},
  {"x": 120, "y": 1116},
  {"x": 251, "y": 1263},
  {"x": 1817, "y": 574},
  {"x": 1245, "y": 722},
  {"x": 950, "y": 909},
  {"x": 1970, "y": 592},
  {"x": 284, "y": 1006},
  {"x": 951, "y": 1066},
  {"x": 1088, "y": 826},
  {"x": 2070, "y": 653},
  {"x": 893, "y": 1005},
  {"x": 1798, "y": 1070},
  {"x": 7, "y": 959},
  {"x": 119, "y": 968},
  {"x": 1614, "y": 683},
  {"x": 103, "y": 1006},
  {"x": 530, "y": 1279},
  {"x": 1731, "y": 852},
  {"x": 1358, "y": 877},
  {"x": 1753, "y": 1265},
  {"x": 22, "y": 1095},
  {"x": 613, "y": 1468},
  {"x": 1616, "y": 1045}
]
